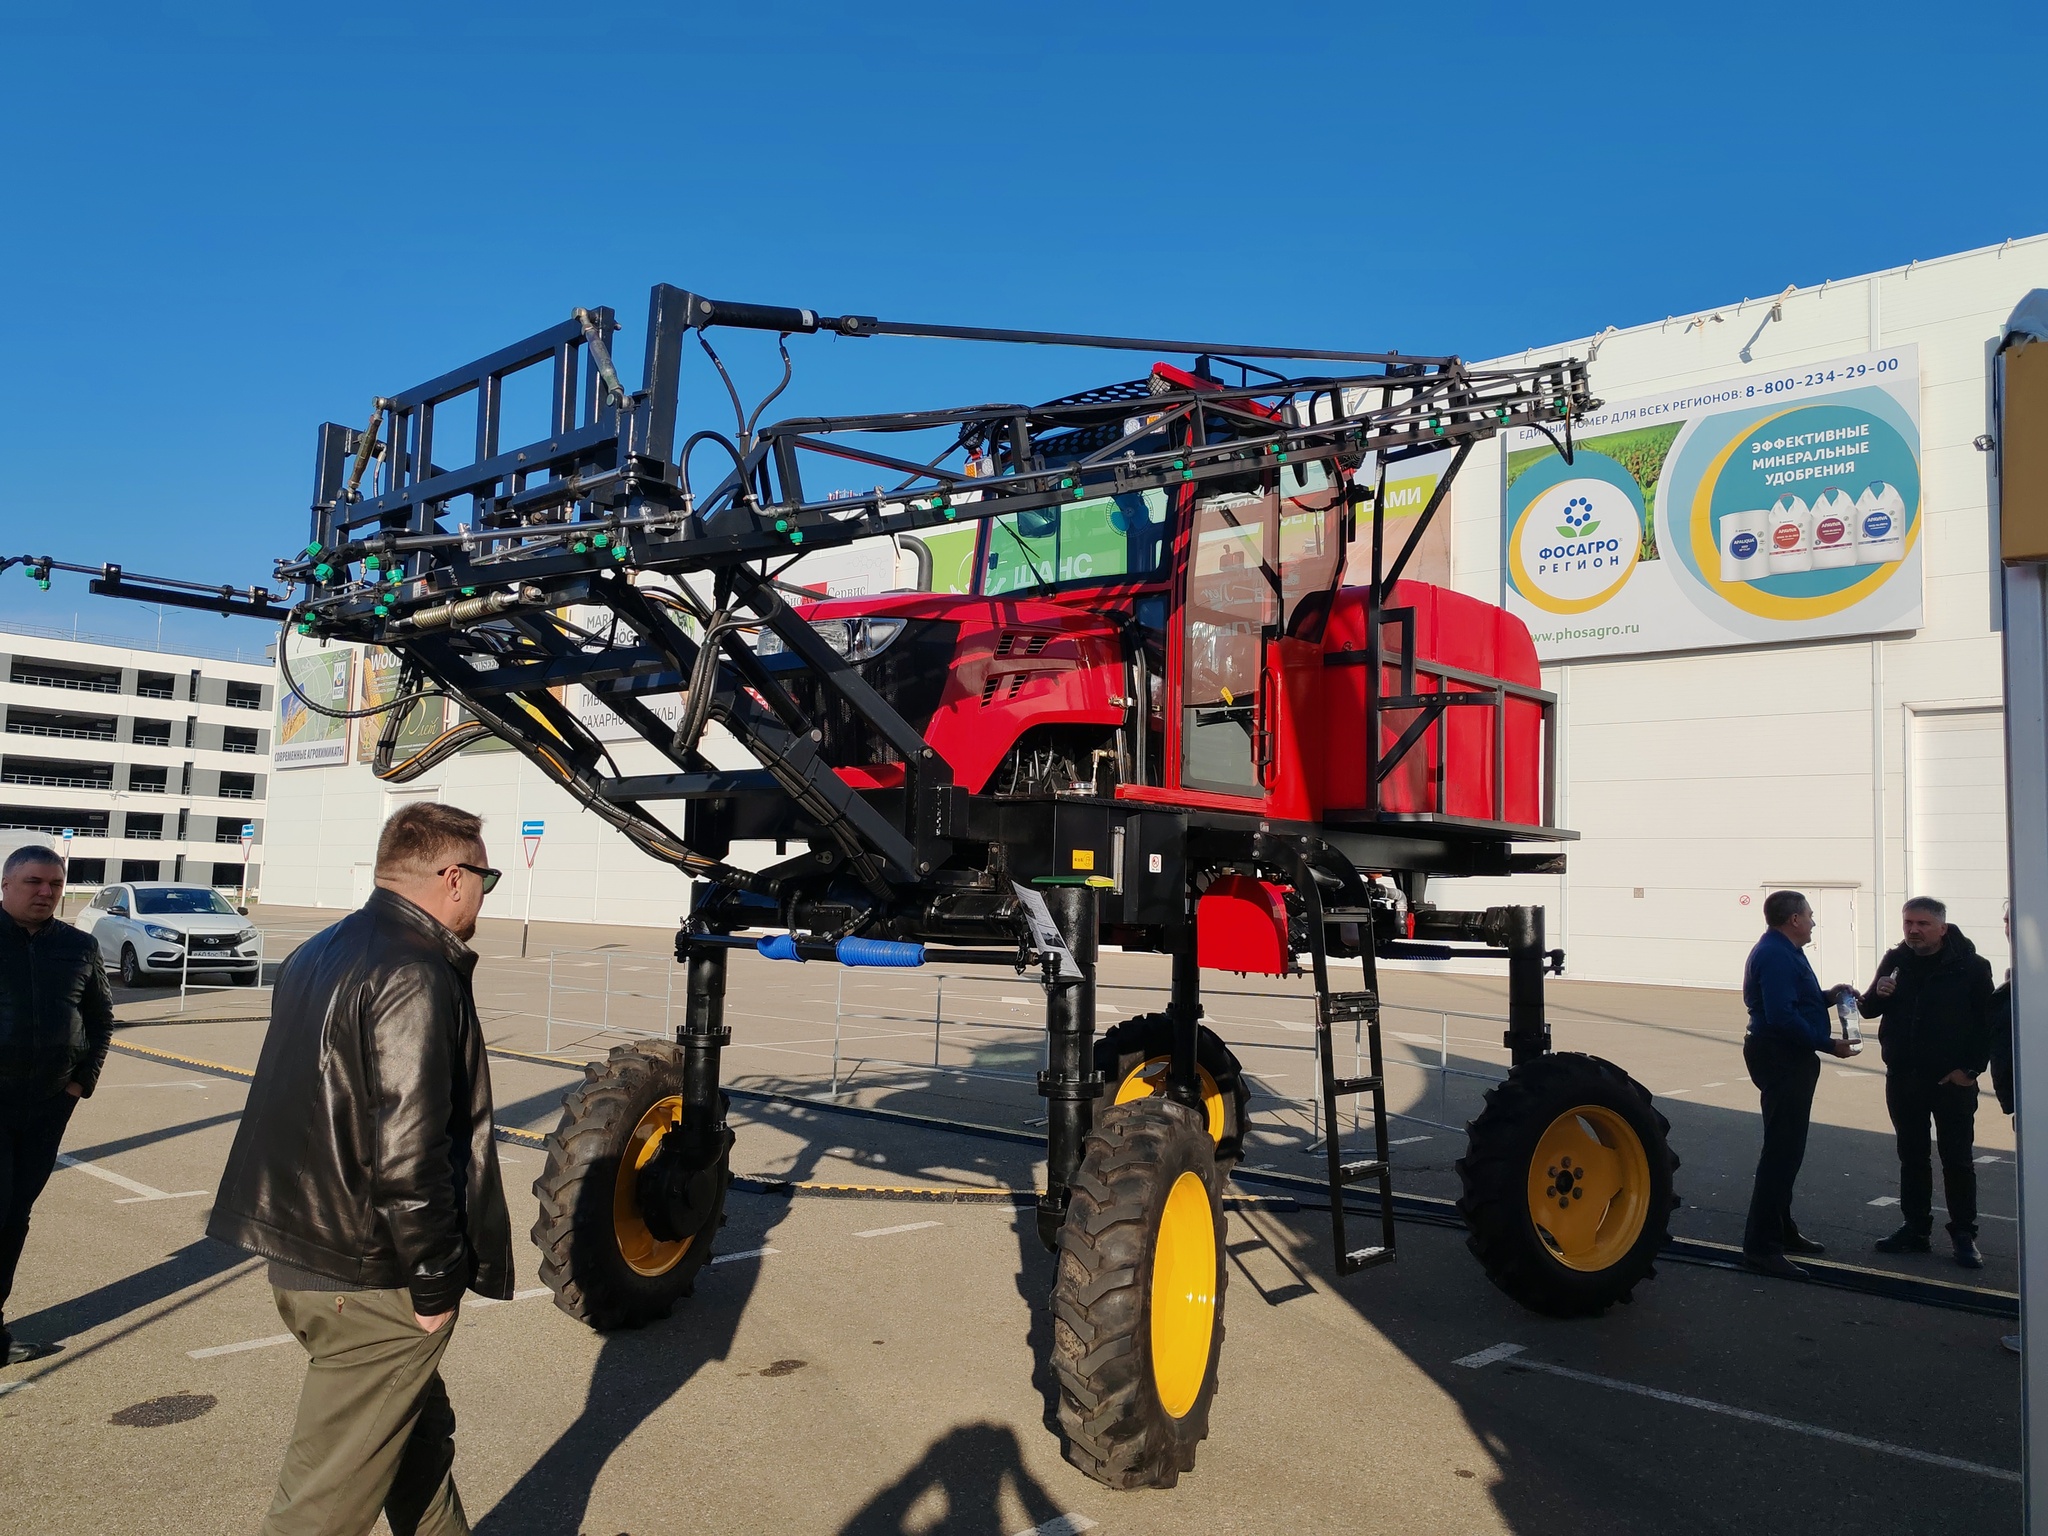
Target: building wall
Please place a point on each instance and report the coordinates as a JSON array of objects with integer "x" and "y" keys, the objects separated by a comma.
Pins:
[
  {"x": 1699, "y": 781},
  {"x": 85, "y": 757}
]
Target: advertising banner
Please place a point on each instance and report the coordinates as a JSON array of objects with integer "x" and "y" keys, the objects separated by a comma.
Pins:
[
  {"x": 306, "y": 739},
  {"x": 377, "y": 683},
  {"x": 1782, "y": 506}
]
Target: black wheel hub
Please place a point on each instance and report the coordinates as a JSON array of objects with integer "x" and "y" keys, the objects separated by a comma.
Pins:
[{"x": 679, "y": 1188}]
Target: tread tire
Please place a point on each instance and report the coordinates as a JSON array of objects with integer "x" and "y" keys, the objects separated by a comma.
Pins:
[
  {"x": 1125, "y": 1047},
  {"x": 1494, "y": 1174},
  {"x": 579, "y": 1251},
  {"x": 1114, "y": 1427}
]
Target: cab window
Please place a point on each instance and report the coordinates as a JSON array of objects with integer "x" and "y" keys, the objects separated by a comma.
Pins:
[{"x": 1101, "y": 539}]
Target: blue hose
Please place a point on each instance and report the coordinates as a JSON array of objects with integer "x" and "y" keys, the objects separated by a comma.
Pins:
[
  {"x": 887, "y": 952},
  {"x": 780, "y": 947}
]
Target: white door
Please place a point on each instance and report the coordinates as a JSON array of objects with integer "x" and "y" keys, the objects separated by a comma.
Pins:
[
  {"x": 1833, "y": 950},
  {"x": 1955, "y": 846}
]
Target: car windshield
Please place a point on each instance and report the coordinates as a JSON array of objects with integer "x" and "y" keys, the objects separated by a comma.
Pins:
[{"x": 182, "y": 898}]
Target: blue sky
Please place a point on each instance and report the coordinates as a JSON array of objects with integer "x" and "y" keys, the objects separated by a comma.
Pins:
[{"x": 226, "y": 223}]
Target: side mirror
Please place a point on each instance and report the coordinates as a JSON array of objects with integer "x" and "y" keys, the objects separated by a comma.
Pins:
[{"x": 244, "y": 911}]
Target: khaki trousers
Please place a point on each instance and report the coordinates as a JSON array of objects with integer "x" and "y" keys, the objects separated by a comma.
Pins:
[{"x": 375, "y": 1430}]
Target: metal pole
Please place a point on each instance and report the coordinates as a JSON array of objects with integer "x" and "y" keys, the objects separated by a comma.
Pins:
[
  {"x": 938, "y": 1014},
  {"x": 704, "y": 1036},
  {"x": 1069, "y": 1083},
  {"x": 2026, "y": 777},
  {"x": 526, "y": 921}
]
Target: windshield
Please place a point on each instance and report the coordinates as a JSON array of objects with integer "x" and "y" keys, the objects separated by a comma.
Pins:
[
  {"x": 1097, "y": 540},
  {"x": 181, "y": 898}
]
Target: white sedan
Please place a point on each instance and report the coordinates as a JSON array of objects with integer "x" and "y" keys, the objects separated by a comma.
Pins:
[{"x": 146, "y": 929}]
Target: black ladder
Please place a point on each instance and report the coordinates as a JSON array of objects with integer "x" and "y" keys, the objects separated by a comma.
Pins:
[{"x": 1361, "y": 1010}]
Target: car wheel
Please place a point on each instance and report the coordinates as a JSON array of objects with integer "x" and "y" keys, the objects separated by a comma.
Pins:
[{"x": 131, "y": 969}]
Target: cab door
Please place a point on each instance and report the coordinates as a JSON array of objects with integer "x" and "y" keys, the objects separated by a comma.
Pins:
[
  {"x": 1260, "y": 572},
  {"x": 1229, "y": 613}
]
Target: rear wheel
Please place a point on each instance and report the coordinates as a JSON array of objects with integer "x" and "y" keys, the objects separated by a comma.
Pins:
[
  {"x": 1134, "y": 1057},
  {"x": 1567, "y": 1185},
  {"x": 613, "y": 1258},
  {"x": 1138, "y": 1303}
]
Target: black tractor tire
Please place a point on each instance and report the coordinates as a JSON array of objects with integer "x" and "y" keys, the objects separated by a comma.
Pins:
[
  {"x": 1519, "y": 1160},
  {"x": 1132, "y": 1406},
  {"x": 587, "y": 1216},
  {"x": 1145, "y": 1044}
]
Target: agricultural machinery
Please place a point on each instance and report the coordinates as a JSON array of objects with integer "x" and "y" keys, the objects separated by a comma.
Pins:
[{"x": 1161, "y": 717}]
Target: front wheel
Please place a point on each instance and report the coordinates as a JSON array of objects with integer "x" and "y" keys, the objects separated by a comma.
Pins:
[
  {"x": 1567, "y": 1185},
  {"x": 1138, "y": 1303},
  {"x": 131, "y": 968},
  {"x": 620, "y": 1241},
  {"x": 1134, "y": 1058}
]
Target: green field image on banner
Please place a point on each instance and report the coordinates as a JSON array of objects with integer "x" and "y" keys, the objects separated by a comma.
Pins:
[
  {"x": 1640, "y": 452},
  {"x": 952, "y": 551}
]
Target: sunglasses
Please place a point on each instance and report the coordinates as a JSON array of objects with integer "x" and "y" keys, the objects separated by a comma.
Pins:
[{"x": 490, "y": 877}]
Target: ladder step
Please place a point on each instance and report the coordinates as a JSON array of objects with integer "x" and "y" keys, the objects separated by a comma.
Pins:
[
  {"x": 1364, "y": 1168},
  {"x": 1335, "y": 1006},
  {"x": 1339, "y": 1086},
  {"x": 1365, "y": 1258}
]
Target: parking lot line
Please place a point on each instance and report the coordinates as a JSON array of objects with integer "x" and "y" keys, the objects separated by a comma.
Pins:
[
  {"x": 1069, "y": 1524},
  {"x": 744, "y": 1253},
  {"x": 236, "y": 1349},
  {"x": 908, "y": 1226},
  {"x": 140, "y": 1192},
  {"x": 1486, "y": 1357}
]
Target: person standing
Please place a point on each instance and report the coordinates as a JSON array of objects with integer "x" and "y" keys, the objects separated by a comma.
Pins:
[
  {"x": 1934, "y": 995},
  {"x": 56, "y": 1019},
  {"x": 365, "y": 1171},
  {"x": 1788, "y": 1024}
]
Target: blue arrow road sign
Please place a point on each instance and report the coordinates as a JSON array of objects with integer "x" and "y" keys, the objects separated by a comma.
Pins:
[{"x": 531, "y": 828}]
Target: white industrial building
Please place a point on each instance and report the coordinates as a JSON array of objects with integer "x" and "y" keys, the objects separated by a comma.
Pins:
[
  {"x": 1749, "y": 754},
  {"x": 153, "y": 760}
]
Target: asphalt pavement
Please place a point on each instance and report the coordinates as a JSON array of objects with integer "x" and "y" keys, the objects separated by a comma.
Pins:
[{"x": 867, "y": 1364}]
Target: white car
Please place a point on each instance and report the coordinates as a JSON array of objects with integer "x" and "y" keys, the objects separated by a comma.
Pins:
[{"x": 144, "y": 929}]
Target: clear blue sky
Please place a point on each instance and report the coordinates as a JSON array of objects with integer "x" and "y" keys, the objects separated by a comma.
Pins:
[{"x": 221, "y": 224}]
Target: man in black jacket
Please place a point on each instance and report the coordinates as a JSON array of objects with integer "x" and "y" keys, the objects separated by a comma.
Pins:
[
  {"x": 1934, "y": 994},
  {"x": 365, "y": 1171},
  {"x": 56, "y": 1017}
]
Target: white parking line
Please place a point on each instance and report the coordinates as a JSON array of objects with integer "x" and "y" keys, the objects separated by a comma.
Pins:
[
  {"x": 14, "y": 1386},
  {"x": 908, "y": 1226},
  {"x": 499, "y": 1301},
  {"x": 1981, "y": 1215},
  {"x": 236, "y": 1349},
  {"x": 1408, "y": 1141},
  {"x": 140, "y": 1192},
  {"x": 1069, "y": 1524},
  {"x": 1486, "y": 1357},
  {"x": 745, "y": 1253}
]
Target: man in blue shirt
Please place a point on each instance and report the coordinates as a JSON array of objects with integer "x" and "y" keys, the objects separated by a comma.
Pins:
[{"x": 1788, "y": 1023}]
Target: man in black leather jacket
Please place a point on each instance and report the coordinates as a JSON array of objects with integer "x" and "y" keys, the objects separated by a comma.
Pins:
[
  {"x": 365, "y": 1171},
  {"x": 56, "y": 1017}
]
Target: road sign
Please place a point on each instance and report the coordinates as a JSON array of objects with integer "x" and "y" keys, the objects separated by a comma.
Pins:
[
  {"x": 248, "y": 831},
  {"x": 67, "y": 834},
  {"x": 531, "y": 831}
]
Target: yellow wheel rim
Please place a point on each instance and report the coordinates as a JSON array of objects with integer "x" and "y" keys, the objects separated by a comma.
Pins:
[
  {"x": 1149, "y": 1077},
  {"x": 644, "y": 1253},
  {"x": 1183, "y": 1295},
  {"x": 1589, "y": 1187}
]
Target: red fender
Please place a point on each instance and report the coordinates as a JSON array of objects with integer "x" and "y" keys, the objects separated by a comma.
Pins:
[{"x": 1241, "y": 925}]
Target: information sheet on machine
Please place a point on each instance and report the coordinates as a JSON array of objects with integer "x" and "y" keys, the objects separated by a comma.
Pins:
[{"x": 1779, "y": 506}]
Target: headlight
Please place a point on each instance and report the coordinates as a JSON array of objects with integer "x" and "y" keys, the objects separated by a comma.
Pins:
[
  {"x": 170, "y": 935},
  {"x": 245, "y": 936},
  {"x": 857, "y": 640}
]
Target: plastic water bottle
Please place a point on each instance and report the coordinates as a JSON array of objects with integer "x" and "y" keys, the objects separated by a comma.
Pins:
[{"x": 1847, "y": 1010}]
